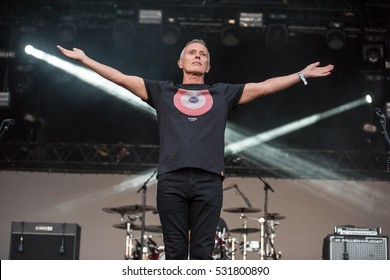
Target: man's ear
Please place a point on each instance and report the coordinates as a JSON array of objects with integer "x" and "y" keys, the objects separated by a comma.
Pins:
[
  {"x": 180, "y": 64},
  {"x": 208, "y": 68}
]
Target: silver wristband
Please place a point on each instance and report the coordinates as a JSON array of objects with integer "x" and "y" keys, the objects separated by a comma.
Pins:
[{"x": 302, "y": 77}]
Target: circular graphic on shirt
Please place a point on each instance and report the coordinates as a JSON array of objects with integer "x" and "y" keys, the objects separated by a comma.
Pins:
[{"x": 193, "y": 102}]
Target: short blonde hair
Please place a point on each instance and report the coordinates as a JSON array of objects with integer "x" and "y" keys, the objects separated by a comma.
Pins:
[{"x": 199, "y": 41}]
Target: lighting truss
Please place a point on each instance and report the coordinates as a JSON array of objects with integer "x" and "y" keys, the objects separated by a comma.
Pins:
[{"x": 135, "y": 159}]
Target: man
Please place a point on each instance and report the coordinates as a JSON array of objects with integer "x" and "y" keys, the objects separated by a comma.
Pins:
[{"x": 192, "y": 119}]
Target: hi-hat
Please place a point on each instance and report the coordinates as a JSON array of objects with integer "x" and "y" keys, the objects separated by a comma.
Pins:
[
  {"x": 244, "y": 230},
  {"x": 242, "y": 210},
  {"x": 128, "y": 209},
  {"x": 275, "y": 216},
  {"x": 153, "y": 228}
]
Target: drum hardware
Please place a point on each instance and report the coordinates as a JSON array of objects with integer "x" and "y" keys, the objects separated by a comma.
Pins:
[
  {"x": 244, "y": 230},
  {"x": 153, "y": 228},
  {"x": 252, "y": 246},
  {"x": 242, "y": 210},
  {"x": 128, "y": 209},
  {"x": 143, "y": 188}
]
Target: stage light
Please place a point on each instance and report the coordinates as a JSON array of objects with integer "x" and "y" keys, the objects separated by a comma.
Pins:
[
  {"x": 368, "y": 99},
  {"x": 150, "y": 16},
  {"x": 369, "y": 127},
  {"x": 66, "y": 32},
  {"x": 373, "y": 53},
  {"x": 123, "y": 33},
  {"x": 387, "y": 109},
  {"x": 254, "y": 20},
  {"x": 230, "y": 36},
  {"x": 7, "y": 54},
  {"x": 4, "y": 99},
  {"x": 276, "y": 37},
  {"x": 170, "y": 34},
  {"x": 335, "y": 38}
]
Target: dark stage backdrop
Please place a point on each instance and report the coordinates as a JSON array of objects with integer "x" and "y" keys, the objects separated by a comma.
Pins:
[{"x": 69, "y": 110}]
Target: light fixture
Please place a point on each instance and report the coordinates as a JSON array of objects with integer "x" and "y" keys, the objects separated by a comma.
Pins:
[
  {"x": 123, "y": 33},
  {"x": 150, "y": 16},
  {"x": 374, "y": 76},
  {"x": 387, "y": 109},
  {"x": 254, "y": 20},
  {"x": 66, "y": 32},
  {"x": 370, "y": 128},
  {"x": 230, "y": 36},
  {"x": 373, "y": 53},
  {"x": 335, "y": 38},
  {"x": 277, "y": 37},
  {"x": 170, "y": 34},
  {"x": 4, "y": 99}
]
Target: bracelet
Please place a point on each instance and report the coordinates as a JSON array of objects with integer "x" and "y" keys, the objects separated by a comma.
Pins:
[{"x": 302, "y": 77}]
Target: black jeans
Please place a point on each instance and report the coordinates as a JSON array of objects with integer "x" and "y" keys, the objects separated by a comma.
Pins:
[{"x": 189, "y": 202}]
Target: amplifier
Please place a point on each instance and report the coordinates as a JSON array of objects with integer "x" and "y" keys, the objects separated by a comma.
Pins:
[
  {"x": 344, "y": 247},
  {"x": 352, "y": 230},
  {"x": 44, "y": 241}
]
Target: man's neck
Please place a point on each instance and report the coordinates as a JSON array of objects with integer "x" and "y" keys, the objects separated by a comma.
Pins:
[{"x": 193, "y": 79}]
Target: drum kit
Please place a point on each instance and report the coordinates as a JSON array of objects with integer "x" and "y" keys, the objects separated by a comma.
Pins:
[
  {"x": 133, "y": 247},
  {"x": 226, "y": 245},
  {"x": 143, "y": 247}
]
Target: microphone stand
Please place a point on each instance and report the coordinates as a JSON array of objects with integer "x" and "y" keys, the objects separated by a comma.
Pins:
[
  {"x": 143, "y": 188},
  {"x": 243, "y": 197},
  {"x": 265, "y": 234},
  {"x": 382, "y": 120}
]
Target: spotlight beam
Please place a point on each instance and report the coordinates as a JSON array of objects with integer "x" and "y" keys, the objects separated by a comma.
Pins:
[
  {"x": 92, "y": 78},
  {"x": 288, "y": 128}
]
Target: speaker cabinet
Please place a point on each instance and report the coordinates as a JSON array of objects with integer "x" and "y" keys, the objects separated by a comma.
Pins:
[
  {"x": 349, "y": 247},
  {"x": 44, "y": 241}
]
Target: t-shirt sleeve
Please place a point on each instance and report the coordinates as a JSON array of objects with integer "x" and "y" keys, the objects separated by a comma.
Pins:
[
  {"x": 153, "y": 90},
  {"x": 233, "y": 94}
]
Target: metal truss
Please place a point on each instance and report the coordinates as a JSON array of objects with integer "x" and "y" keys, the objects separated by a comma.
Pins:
[
  {"x": 293, "y": 12},
  {"x": 134, "y": 159}
]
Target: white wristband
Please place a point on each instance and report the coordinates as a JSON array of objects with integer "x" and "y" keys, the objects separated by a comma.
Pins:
[{"x": 302, "y": 77}]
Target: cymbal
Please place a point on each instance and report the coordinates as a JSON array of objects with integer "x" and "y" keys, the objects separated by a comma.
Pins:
[
  {"x": 153, "y": 228},
  {"x": 275, "y": 216},
  {"x": 128, "y": 209},
  {"x": 242, "y": 210},
  {"x": 244, "y": 230}
]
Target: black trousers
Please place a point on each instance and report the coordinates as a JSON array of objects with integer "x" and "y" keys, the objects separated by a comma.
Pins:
[{"x": 189, "y": 202}]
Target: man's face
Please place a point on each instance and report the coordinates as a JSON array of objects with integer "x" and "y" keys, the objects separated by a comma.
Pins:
[{"x": 194, "y": 59}]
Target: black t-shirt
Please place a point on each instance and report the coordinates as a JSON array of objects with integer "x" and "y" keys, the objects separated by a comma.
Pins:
[{"x": 192, "y": 121}]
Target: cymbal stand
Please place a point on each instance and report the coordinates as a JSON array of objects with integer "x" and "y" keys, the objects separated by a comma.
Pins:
[
  {"x": 271, "y": 251},
  {"x": 244, "y": 236},
  {"x": 262, "y": 239},
  {"x": 143, "y": 188},
  {"x": 265, "y": 232},
  {"x": 129, "y": 241},
  {"x": 129, "y": 236},
  {"x": 233, "y": 248}
]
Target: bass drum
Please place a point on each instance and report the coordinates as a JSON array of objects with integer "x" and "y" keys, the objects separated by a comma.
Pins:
[{"x": 161, "y": 254}]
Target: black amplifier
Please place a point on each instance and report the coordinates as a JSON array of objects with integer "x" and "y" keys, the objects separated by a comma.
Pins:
[{"x": 44, "y": 241}]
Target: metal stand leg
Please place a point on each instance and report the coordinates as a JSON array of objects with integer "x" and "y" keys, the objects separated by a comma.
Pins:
[
  {"x": 129, "y": 242},
  {"x": 262, "y": 239},
  {"x": 233, "y": 240}
]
